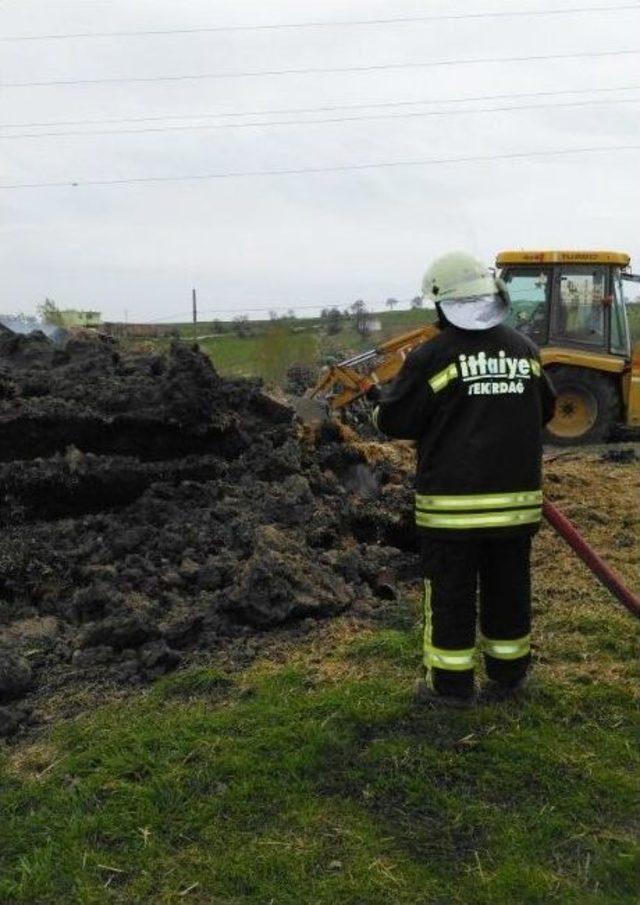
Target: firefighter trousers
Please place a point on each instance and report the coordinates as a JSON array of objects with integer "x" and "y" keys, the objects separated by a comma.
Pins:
[{"x": 461, "y": 577}]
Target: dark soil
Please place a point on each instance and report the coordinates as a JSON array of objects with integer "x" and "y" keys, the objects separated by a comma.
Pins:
[{"x": 151, "y": 510}]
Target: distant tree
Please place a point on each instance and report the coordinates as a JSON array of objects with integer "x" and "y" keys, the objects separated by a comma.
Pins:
[
  {"x": 391, "y": 303},
  {"x": 334, "y": 321},
  {"x": 241, "y": 326},
  {"x": 217, "y": 327},
  {"x": 360, "y": 313},
  {"x": 364, "y": 327},
  {"x": 273, "y": 315},
  {"x": 291, "y": 314},
  {"x": 50, "y": 313},
  {"x": 416, "y": 301}
]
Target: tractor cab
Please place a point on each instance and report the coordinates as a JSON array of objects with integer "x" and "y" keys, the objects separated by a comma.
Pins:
[
  {"x": 574, "y": 298},
  {"x": 572, "y": 305}
]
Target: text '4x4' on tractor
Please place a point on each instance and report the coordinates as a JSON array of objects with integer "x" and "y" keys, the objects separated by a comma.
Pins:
[{"x": 572, "y": 304}]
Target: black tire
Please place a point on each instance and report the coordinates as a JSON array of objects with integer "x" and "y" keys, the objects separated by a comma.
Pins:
[{"x": 587, "y": 409}]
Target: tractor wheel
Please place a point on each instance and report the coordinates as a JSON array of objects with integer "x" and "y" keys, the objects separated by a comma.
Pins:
[{"x": 587, "y": 408}]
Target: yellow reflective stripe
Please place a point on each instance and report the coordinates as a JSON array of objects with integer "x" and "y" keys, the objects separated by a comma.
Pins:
[
  {"x": 453, "y": 660},
  {"x": 481, "y": 501},
  {"x": 439, "y": 381},
  {"x": 506, "y": 650},
  {"x": 485, "y": 520},
  {"x": 428, "y": 628},
  {"x": 535, "y": 366},
  {"x": 374, "y": 416}
]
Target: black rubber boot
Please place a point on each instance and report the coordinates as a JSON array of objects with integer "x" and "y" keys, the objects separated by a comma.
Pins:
[
  {"x": 503, "y": 691},
  {"x": 425, "y": 696}
]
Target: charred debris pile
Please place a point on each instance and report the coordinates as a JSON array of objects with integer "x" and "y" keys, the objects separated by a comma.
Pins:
[{"x": 150, "y": 509}]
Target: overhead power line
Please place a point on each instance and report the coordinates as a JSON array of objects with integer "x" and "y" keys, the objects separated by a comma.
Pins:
[
  {"x": 397, "y": 20},
  {"x": 317, "y": 122},
  {"x": 428, "y": 64},
  {"x": 304, "y": 171},
  {"x": 324, "y": 109}
]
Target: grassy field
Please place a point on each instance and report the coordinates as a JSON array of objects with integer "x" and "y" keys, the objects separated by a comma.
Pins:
[
  {"x": 273, "y": 348},
  {"x": 268, "y": 355},
  {"x": 311, "y": 779}
]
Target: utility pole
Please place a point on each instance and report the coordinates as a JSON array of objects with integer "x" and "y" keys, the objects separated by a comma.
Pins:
[{"x": 195, "y": 315}]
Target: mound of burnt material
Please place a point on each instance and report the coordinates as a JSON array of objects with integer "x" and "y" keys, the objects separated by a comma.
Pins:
[
  {"x": 151, "y": 510},
  {"x": 76, "y": 483},
  {"x": 90, "y": 395}
]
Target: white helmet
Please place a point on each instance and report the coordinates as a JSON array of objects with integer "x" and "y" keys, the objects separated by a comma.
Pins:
[{"x": 469, "y": 294}]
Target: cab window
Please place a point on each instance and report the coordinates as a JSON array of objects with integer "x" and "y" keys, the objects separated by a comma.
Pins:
[
  {"x": 529, "y": 289},
  {"x": 620, "y": 343},
  {"x": 580, "y": 311}
]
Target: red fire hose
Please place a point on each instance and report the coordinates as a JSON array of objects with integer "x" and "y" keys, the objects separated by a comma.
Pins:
[{"x": 600, "y": 569}]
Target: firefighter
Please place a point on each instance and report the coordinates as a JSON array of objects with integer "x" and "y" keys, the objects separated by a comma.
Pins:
[{"x": 475, "y": 400}]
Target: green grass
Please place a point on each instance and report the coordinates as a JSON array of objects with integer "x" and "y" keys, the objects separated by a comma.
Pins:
[
  {"x": 273, "y": 348},
  {"x": 317, "y": 782},
  {"x": 268, "y": 355}
]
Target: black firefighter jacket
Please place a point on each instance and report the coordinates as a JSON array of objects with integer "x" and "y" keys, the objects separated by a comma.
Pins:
[{"x": 476, "y": 402}]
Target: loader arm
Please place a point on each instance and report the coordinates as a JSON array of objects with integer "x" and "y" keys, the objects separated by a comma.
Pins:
[{"x": 343, "y": 383}]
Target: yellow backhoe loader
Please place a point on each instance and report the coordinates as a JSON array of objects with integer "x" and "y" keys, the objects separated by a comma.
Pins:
[{"x": 572, "y": 304}]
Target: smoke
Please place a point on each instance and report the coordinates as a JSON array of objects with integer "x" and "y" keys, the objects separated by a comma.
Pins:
[{"x": 27, "y": 323}]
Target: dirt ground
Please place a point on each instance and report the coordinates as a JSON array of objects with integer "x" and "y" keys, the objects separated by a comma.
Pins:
[
  {"x": 153, "y": 513},
  {"x": 598, "y": 489}
]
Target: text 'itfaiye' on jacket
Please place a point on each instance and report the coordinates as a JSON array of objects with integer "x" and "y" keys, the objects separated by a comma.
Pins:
[{"x": 475, "y": 402}]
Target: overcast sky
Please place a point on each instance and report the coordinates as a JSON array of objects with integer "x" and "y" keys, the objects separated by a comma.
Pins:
[{"x": 310, "y": 239}]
